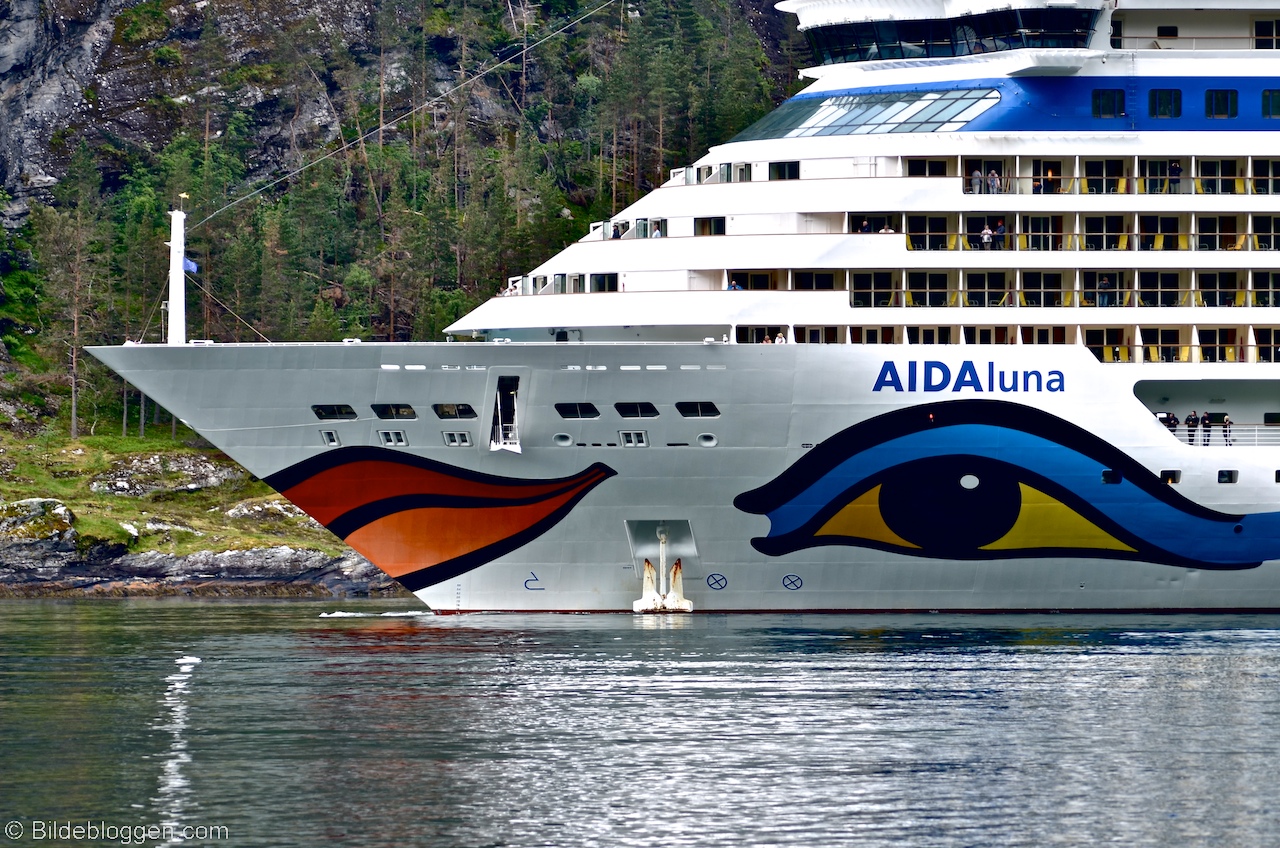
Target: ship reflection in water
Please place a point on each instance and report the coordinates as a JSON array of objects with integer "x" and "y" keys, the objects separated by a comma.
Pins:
[{"x": 384, "y": 726}]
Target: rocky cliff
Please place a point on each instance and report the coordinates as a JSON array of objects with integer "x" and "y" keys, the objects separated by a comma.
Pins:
[
  {"x": 118, "y": 73},
  {"x": 124, "y": 75}
]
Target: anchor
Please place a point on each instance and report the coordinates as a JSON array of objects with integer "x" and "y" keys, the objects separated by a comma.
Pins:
[{"x": 658, "y": 598}]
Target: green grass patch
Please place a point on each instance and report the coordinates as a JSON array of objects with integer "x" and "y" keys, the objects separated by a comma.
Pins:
[{"x": 144, "y": 22}]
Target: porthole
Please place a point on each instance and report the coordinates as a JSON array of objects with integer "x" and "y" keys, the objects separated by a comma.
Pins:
[
  {"x": 707, "y": 440},
  {"x": 563, "y": 440}
]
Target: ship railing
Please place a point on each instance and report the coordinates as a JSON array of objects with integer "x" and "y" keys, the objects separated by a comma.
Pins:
[
  {"x": 1089, "y": 297},
  {"x": 1242, "y": 435},
  {"x": 1099, "y": 185},
  {"x": 1195, "y": 42},
  {"x": 1089, "y": 241}
]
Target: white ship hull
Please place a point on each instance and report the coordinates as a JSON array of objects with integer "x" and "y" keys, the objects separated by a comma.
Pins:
[{"x": 777, "y": 405}]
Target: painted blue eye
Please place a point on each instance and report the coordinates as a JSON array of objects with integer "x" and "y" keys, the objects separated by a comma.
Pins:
[{"x": 979, "y": 479}]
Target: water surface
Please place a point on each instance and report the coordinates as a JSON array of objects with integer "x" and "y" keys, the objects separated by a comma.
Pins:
[{"x": 287, "y": 725}]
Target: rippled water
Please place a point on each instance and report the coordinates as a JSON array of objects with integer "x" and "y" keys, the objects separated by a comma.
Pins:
[{"x": 288, "y": 727}]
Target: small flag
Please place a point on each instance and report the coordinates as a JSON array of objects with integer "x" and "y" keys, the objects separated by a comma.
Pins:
[{"x": 189, "y": 266}]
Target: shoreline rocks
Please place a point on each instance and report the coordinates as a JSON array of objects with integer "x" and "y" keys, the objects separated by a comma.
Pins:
[{"x": 42, "y": 555}]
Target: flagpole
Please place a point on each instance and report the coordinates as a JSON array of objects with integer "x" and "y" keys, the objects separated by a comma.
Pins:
[{"x": 177, "y": 280}]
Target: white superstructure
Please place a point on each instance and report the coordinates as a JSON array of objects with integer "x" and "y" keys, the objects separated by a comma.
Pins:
[{"x": 995, "y": 244}]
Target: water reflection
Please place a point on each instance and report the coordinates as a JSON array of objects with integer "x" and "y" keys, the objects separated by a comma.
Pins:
[{"x": 173, "y": 803}]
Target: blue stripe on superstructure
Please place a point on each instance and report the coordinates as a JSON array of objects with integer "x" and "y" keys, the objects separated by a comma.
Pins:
[{"x": 1065, "y": 104}]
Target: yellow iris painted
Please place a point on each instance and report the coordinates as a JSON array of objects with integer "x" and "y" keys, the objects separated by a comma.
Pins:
[
  {"x": 861, "y": 519},
  {"x": 1045, "y": 522}
]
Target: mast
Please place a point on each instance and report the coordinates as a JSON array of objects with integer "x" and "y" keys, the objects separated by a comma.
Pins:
[{"x": 177, "y": 279}]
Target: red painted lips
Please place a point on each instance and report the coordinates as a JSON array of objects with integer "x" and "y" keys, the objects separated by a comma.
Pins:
[{"x": 421, "y": 521}]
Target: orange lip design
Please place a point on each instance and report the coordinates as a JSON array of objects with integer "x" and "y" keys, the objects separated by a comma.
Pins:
[{"x": 424, "y": 522}]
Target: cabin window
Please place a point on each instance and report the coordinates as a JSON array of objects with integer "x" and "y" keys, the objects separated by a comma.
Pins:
[
  {"x": 1108, "y": 103},
  {"x": 393, "y": 438},
  {"x": 1165, "y": 102},
  {"x": 817, "y": 335},
  {"x": 577, "y": 410},
  {"x": 1171, "y": 476},
  {"x": 334, "y": 412},
  {"x": 1221, "y": 103},
  {"x": 926, "y": 167},
  {"x": 1271, "y": 103},
  {"x": 1266, "y": 35},
  {"x": 1271, "y": 419},
  {"x": 784, "y": 170},
  {"x": 1041, "y": 288},
  {"x": 708, "y": 226},
  {"x": 394, "y": 411},
  {"x": 636, "y": 409},
  {"x": 697, "y": 409},
  {"x": 604, "y": 282},
  {"x": 329, "y": 439},
  {"x": 1166, "y": 32},
  {"x": 757, "y": 335},
  {"x": 873, "y": 288},
  {"x": 1228, "y": 476},
  {"x": 457, "y": 439},
  {"x": 453, "y": 410},
  {"x": 871, "y": 335},
  {"x": 815, "y": 280},
  {"x": 633, "y": 438}
]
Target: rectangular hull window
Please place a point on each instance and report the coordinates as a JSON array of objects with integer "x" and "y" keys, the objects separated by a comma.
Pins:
[
  {"x": 394, "y": 411},
  {"x": 634, "y": 438},
  {"x": 334, "y": 412},
  {"x": 457, "y": 440},
  {"x": 453, "y": 410},
  {"x": 393, "y": 438}
]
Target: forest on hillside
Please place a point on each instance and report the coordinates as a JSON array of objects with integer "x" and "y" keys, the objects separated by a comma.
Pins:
[{"x": 475, "y": 141}]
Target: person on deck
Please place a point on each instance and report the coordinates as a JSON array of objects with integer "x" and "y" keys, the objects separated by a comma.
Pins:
[{"x": 1192, "y": 421}]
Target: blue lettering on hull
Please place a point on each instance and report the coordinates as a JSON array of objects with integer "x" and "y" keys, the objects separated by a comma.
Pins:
[{"x": 933, "y": 376}]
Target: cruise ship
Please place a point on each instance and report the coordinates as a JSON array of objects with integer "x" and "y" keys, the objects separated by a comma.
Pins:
[{"x": 985, "y": 319}]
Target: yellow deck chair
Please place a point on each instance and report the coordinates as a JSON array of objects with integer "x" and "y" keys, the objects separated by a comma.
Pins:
[
  {"x": 1239, "y": 245},
  {"x": 1199, "y": 184},
  {"x": 1159, "y": 242},
  {"x": 1122, "y": 185},
  {"x": 1153, "y": 353},
  {"x": 1184, "y": 242},
  {"x": 910, "y": 246},
  {"x": 1106, "y": 354},
  {"x": 1240, "y": 295},
  {"x": 1022, "y": 299},
  {"x": 1124, "y": 241},
  {"x": 951, "y": 242},
  {"x": 1123, "y": 350},
  {"x": 1184, "y": 353},
  {"x": 1231, "y": 353},
  {"x": 1240, "y": 185}
]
